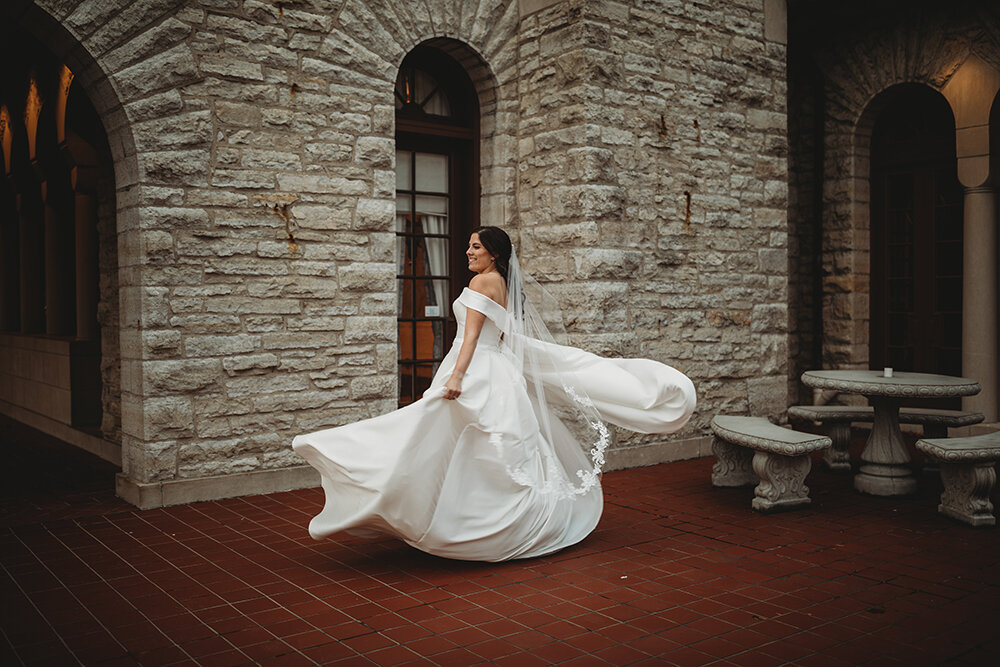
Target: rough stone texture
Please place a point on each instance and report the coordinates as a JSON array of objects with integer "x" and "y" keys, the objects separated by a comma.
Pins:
[
  {"x": 636, "y": 151},
  {"x": 651, "y": 188},
  {"x": 845, "y": 60},
  {"x": 108, "y": 312}
]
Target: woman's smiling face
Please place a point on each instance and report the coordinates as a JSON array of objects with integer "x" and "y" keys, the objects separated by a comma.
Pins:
[{"x": 479, "y": 257}]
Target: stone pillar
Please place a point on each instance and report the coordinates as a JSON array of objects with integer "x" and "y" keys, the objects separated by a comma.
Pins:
[
  {"x": 87, "y": 274},
  {"x": 59, "y": 309},
  {"x": 980, "y": 298},
  {"x": 9, "y": 262},
  {"x": 83, "y": 181},
  {"x": 971, "y": 92},
  {"x": 31, "y": 259},
  {"x": 9, "y": 245}
]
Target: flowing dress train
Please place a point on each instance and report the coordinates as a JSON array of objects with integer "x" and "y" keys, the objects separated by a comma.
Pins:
[{"x": 465, "y": 479}]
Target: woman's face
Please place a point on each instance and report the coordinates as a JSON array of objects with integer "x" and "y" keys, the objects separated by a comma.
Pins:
[{"x": 479, "y": 257}]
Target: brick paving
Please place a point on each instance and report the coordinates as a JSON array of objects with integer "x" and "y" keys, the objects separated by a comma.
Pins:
[{"x": 676, "y": 573}]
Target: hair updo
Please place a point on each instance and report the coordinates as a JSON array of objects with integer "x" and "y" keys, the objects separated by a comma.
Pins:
[{"x": 498, "y": 244}]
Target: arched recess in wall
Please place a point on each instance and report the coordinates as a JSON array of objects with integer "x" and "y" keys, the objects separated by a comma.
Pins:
[
  {"x": 59, "y": 292},
  {"x": 916, "y": 234},
  {"x": 443, "y": 92}
]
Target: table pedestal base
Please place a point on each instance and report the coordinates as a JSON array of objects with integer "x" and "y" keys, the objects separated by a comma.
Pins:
[
  {"x": 891, "y": 482},
  {"x": 885, "y": 463}
]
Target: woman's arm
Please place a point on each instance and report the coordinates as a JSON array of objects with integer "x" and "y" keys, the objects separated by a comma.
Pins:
[
  {"x": 489, "y": 285},
  {"x": 473, "y": 326}
]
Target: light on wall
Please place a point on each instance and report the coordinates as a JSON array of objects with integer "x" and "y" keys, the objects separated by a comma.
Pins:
[
  {"x": 6, "y": 137},
  {"x": 32, "y": 109},
  {"x": 65, "y": 81},
  {"x": 408, "y": 88}
]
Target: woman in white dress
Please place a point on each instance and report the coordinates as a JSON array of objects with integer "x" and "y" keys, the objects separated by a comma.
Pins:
[{"x": 482, "y": 467}]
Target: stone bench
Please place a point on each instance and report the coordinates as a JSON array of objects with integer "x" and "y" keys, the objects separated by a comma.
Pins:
[
  {"x": 968, "y": 474},
  {"x": 837, "y": 420},
  {"x": 752, "y": 450}
]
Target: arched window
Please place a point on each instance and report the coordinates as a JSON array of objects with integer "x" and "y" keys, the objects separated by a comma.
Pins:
[
  {"x": 437, "y": 180},
  {"x": 916, "y": 235}
]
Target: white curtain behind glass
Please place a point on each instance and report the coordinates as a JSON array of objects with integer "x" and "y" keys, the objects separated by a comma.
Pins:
[
  {"x": 435, "y": 222},
  {"x": 431, "y": 175}
]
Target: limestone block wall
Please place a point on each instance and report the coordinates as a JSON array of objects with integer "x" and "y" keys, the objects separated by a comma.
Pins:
[
  {"x": 652, "y": 189},
  {"x": 268, "y": 300},
  {"x": 638, "y": 153},
  {"x": 108, "y": 311}
]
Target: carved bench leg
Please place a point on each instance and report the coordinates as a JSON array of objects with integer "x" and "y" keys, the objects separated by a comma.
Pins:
[
  {"x": 967, "y": 488},
  {"x": 781, "y": 481},
  {"x": 733, "y": 467},
  {"x": 837, "y": 457}
]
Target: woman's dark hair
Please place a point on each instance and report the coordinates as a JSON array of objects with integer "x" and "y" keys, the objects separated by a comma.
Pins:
[{"x": 498, "y": 244}]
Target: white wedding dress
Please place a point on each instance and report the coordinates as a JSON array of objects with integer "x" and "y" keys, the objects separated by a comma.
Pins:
[{"x": 474, "y": 478}]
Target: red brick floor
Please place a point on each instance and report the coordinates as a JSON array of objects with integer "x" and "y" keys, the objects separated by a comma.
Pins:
[{"x": 676, "y": 573}]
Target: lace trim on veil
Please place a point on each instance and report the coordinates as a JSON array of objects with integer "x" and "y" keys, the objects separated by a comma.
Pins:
[{"x": 532, "y": 314}]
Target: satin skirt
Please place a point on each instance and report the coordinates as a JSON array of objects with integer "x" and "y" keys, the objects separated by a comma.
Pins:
[{"x": 437, "y": 473}]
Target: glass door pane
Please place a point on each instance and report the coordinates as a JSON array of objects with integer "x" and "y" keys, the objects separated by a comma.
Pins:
[{"x": 423, "y": 247}]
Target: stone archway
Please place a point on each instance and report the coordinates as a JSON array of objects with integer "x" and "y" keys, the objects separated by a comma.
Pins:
[
  {"x": 972, "y": 92},
  {"x": 860, "y": 53},
  {"x": 130, "y": 60},
  {"x": 78, "y": 261}
]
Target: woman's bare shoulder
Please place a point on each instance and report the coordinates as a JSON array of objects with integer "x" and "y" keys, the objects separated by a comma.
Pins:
[{"x": 489, "y": 284}]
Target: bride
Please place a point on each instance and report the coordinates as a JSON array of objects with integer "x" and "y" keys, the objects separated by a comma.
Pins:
[{"x": 488, "y": 465}]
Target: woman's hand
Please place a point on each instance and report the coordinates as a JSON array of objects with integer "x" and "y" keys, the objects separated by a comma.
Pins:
[{"x": 453, "y": 387}]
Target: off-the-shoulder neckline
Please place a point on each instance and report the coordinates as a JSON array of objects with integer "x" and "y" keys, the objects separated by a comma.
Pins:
[{"x": 472, "y": 291}]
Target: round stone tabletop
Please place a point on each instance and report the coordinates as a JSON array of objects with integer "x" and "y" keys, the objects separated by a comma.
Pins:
[{"x": 901, "y": 384}]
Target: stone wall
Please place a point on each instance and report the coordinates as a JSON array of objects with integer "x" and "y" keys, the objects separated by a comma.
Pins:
[
  {"x": 652, "y": 189},
  {"x": 860, "y": 53},
  {"x": 637, "y": 150},
  {"x": 107, "y": 309}
]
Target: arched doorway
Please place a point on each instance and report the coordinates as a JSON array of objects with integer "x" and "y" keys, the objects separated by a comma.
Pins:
[
  {"x": 437, "y": 204},
  {"x": 58, "y": 243},
  {"x": 916, "y": 235}
]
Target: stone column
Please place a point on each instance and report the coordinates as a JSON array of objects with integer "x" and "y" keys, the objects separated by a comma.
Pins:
[
  {"x": 60, "y": 312},
  {"x": 980, "y": 298},
  {"x": 87, "y": 274},
  {"x": 9, "y": 245},
  {"x": 83, "y": 181},
  {"x": 971, "y": 92},
  {"x": 31, "y": 262},
  {"x": 9, "y": 309}
]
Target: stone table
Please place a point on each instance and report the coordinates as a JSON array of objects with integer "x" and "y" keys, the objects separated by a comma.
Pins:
[{"x": 885, "y": 469}]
